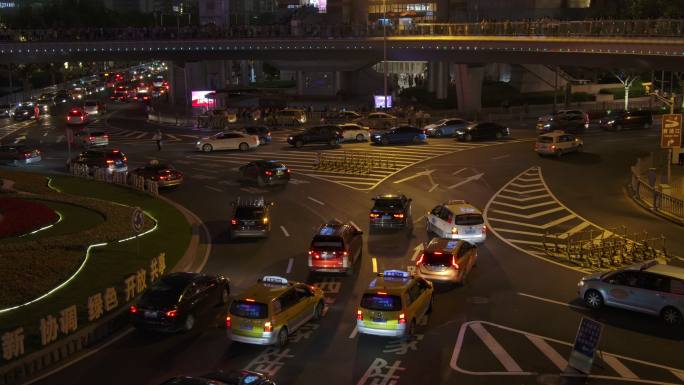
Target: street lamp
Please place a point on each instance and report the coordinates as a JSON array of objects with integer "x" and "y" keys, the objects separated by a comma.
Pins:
[{"x": 384, "y": 48}]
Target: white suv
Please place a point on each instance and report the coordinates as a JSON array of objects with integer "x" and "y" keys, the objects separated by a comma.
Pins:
[
  {"x": 557, "y": 143},
  {"x": 457, "y": 219}
]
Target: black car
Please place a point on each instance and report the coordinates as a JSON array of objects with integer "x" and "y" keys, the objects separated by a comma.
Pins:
[
  {"x": 19, "y": 154},
  {"x": 24, "y": 111},
  {"x": 110, "y": 160},
  {"x": 62, "y": 96},
  {"x": 627, "y": 120},
  {"x": 263, "y": 132},
  {"x": 399, "y": 135},
  {"x": 177, "y": 300},
  {"x": 330, "y": 135},
  {"x": 250, "y": 218},
  {"x": 390, "y": 211},
  {"x": 265, "y": 173},
  {"x": 570, "y": 121},
  {"x": 242, "y": 377},
  {"x": 486, "y": 130},
  {"x": 335, "y": 248},
  {"x": 164, "y": 174}
]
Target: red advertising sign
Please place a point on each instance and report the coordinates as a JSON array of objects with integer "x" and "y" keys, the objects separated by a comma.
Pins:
[
  {"x": 203, "y": 98},
  {"x": 671, "y": 131}
]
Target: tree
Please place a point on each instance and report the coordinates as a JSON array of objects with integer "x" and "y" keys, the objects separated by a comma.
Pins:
[{"x": 627, "y": 78}]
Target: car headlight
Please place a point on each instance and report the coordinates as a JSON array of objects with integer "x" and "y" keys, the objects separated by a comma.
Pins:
[
  {"x": 580, "y": 283},
  {"x": 290, "y": 138},
  {"x": 547, "y": 125},
  {"x": 460, "y": 132},
  {"x": 198, "y": 143},
  {"x": 610, "y": 122}
]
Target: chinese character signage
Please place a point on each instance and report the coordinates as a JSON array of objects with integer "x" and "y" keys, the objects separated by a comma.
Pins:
[
  {"x": 671, "y": 131},
  {"x": 202, "y": 98},
  {"x": 586, "y": 345}
]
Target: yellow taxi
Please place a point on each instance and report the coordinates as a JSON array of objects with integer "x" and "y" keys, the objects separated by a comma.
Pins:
[
  {"x": 393, "y": 304},
  {"x": 271, "y": 310}
]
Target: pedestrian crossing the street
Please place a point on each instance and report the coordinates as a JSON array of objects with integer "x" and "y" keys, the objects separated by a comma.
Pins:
[
  {"x": 389, "y": 160},
  {"x": 517, "y": 352}
]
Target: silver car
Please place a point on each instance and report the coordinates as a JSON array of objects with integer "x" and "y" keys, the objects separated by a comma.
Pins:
[
  {"x": 446, "y": 260},
  {"x": 647, "y": 287}
]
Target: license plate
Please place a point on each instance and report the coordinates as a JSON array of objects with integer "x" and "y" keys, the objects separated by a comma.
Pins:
[
  {"x": 470, "y": 231},
  {"x": 246, "y": 327},
  {"x": 386, "y": 216},
  {"x": 248, "y": 223},
  {"x": 150, "y": 314},
  {"x": 378, "y": 319},
  {"x": 279, "y": 172}
]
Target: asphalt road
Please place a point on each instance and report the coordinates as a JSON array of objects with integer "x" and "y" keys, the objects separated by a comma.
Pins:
[{"x": 511, "y": 323}]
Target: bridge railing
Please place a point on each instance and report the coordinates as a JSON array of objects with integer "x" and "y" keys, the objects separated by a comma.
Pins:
[{"x": 543, "y": 27}]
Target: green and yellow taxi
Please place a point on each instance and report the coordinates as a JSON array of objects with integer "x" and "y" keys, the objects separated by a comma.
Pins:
[
  {"x": 271, "y": 310},
  {"x": 393, "y": 304}
]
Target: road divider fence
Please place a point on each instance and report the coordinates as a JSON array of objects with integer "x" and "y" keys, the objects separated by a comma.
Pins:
[
  {"x": 661, "y": 198},
  {"x": 121, "y": 178},
  {"x": 353, "y": 162}
]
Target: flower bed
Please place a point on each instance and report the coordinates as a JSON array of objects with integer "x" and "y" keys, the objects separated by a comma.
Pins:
[{"x": 21, "y": 216}]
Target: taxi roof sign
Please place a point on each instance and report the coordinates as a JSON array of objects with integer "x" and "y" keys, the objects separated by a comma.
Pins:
[
  {"x": 395, "y": 274},
  {"x": 274, "y": 279}
]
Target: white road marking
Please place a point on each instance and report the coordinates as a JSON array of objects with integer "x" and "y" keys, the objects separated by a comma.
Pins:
[
  {"x": 543, "y": 227},
  {"x": 284, "y": 231},
  {"x": 618, "y": 366},
  {"x": 552, "y": 301},
  {"x": 316, "y": 200},
  {"x": 551, "y": 353},
  {"x": 679, "y": 374},
  {"x": 466, "y": 180},
  {"x": 530, "y": 216},
  {"x": 459, "y": 171},
  {"x": 298, "y": 181},
  {"x": 524, "y": 199},
  {"x": 289, "y": 266},
  {"x": 524, "y": 192},
  {"x": 45, "y": 134},
  {"x": 141, "y": 135},
  {"x": 375, "y": 265},
  {"x": 501, "y": 354},
  {"x": 525, "y": 207},
  {"x": 419, "y": 174},
  {"x": 214, "y": 188},
  {"x": 526, "y": 185},
  {"x": 501, "y": 157},
  {"x": 433, "y": 187},
  {"x": 419, "y": 219},
  {"x": 354, "y": 333}
]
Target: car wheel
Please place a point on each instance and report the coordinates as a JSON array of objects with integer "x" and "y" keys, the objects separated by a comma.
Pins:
[
  {"x": 243, "y": 147},
  {"x": 416, "y": 140},
  {"x": 558, "y": 153},
  {"x": 282, "y": 337},
  {"x": 261, "y": 182},
  {"x": 299, "y": 144},
  {"x": 468, "y": 137},
  {"x": 207, "y": 148},
  {"x": 225, "y": 296},
  {"x": 593, "y": 299},
  {"x": 318, "y": 311},
  {"x": 189, "y": 322},
  {"x": 262, "y": 141},
  {"x": 384, "y": 141},
  {"x": 671, "y": 316},
  {"x": 618, "y": 127},
  {"x": 360, "y": 138},
  {"x": 438, "y": 133},
  {"x": 498, "y": 135}
]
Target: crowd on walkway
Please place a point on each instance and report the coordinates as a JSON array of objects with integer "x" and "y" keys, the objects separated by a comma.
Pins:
[{"x": 299, "y": 28}]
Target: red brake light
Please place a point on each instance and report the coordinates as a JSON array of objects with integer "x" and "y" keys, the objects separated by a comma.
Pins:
[
  {"x": 437, "y": 253},
  {"x": 399, "y": 216},
  {"x": 91, "y": 137},
  {"x": 109, "y": 161},
  {"x": 382, "y": 293},
  {"x": 228, "y": 322},
  {"x": 133, "y": 309},
  {"x": 172, "y": 313},
  {"x": 453, "y": 262},
  {"x": 233, "y": 221},
  {"x": 268, "y": 327},
  {"x": 27, "y": 155},
  {"x": 249, "y": 299},
  {"x": 484, "y": 228},
  {"x": 553, "y": 146},
  {"x": 359, "y": 315},
  {"x": 402, "y": 318},
  {"x": 268, "y": 172}
]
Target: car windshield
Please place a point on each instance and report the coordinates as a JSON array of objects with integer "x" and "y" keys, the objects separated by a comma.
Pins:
[
  {"x": 388, "y": 204},
  {"x": 249, "y": 212},
  {"x": 90, "y": 104},
  {"x": 330, "y": 243},
  {"x": 249, "y": 309},
  {"x": 468, "y": 220},
  {"x": 381, "y": 302},
  {"x": 545, "y": 139},
  {"x": 437, "y": 258}
]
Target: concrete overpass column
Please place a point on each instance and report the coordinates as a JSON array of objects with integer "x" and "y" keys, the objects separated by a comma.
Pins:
[
  {"x": 438, "y": 78},
  {"x": 258, "y": 70},
  {"x": 178, "y": 84},
  {"x": 337, "y": 82},
  {"x": 244, "y": 73},
  {"x": 432, "y": 76},
  {"x": 300, "y": 82},
  {"x": 469, "y": 87}
]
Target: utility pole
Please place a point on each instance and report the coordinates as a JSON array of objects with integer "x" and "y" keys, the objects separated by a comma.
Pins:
[{"x": 384, "y": 48}]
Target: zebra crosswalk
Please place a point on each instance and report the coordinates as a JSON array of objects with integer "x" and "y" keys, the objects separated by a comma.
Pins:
[
  {"x": 130, "y": 136},
  {"x": 12, "y": 127},
  {"x": 389, "y": 160}
]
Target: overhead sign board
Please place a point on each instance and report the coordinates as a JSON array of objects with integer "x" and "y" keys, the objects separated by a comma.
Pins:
[{"x": 671, "y": 131}]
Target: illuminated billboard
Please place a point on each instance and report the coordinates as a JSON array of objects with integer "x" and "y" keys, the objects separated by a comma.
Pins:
[
  {"x": 322, "y": 5},
  {"x": 201, "y": 98},
  {"x": 380, "y": 101}
]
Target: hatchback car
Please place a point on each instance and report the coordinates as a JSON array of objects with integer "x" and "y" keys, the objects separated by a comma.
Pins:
[
  {"x": 456, "y": 219},
  {"x": 91, "y": 139},
  {"x": 19, "y": 154},
  {"x": 486, "y": 130},
  {"x": 164, "y": 174},
  {"x": 110, "y": 160},
  {"x": 446, "y": 260},
  {"x": 76, "y": 116},
  {"x": 250, "y": 218},
  {"x": 400, "y": 135},
  {"x": 354, "y": 132},
  {"x": 391, "y": 211},
  {"x": 265, "y": 173},
  {"x": 228, "y": 140},
  {"x": 557, "y": 143},
  {"x": 290, "y": 116},
  {"x": 330, "y": 135},
  {"x": 627, "y": 120},
  {"x": 241, "y": 377},
  {"x": 335, "y": 248},
  {"x": 647, "y": 287},
  {"x": 393, "y": 304},
  {"x": 446, "y": 127},
  {"x": 175, "y": 301},
  {"x": 272, "y": 310}
]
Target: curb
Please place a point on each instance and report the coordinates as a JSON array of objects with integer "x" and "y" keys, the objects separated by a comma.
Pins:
[
  {"x": 649, "y": 208},
  {"x": 95, "y": 337}
]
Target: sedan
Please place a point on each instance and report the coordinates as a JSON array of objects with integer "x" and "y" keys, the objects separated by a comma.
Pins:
[
  {"x": 76, "y": 116},
  {"x": 377, "y": 120},
  {"x": 164, "y": 174},
  {"x": 446, "y": 127},
  {"x": 401, "y": 134},
  {"x": 228, "y": 141},
  {"x": 177, "y": 300},
  {"x": 24, "y": 111},
  {"x": 487, "y": 130},
  {"x": 263, "y": 132},
  {"x": 6, "y": 110},
  {"x": 265, "y": 173},
  {"x": 242, "y": 377},
  {"x": 354, "y": 132},
  {"x": 343, "y": 117},
  {"x": 91, "y": 107},
  {"x": 19, "y": 154},
  {"x": 93, "y": 139}
]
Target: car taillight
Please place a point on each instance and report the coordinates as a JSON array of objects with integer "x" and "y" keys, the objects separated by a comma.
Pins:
[
  {"x": 163, "y": 177},
  {"x": 268, "y": 327},
  {"x": 265, "y": 220},
  {"x": 314, "y": 254},
  {"x": 402, "y": 318},
  {"x": 287, "y": 170},
  {"x": 91, "y": 137},
  {"x": 110, "y": 162},
  {"x": 484, "y": 228},
  {"x": 398, "y": 216},
  {"x": 268, "y": 172},
  {"x": 233, "y": 221},
  {"x": 268, "y": 134},
  {"x": 228, "y": 322},
  {"x": 453, "y": 262},
  {"x": 454, "y": 230},
  {"x": 27, "y": 155},
  {"x": 107, "y": 137},
  {"x": 172, "y": 313},
  {"x": 420, "y": 259},
  {"x": 553, "y": 146},
  {"x": 133, "y": 309},
  {"x": 359, "y": 315},
  {"x": 374, "y": 215}
]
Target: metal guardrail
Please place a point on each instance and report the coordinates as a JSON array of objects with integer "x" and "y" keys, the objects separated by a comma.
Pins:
[
  {"x": 353, "y": 162},
  {"x": 122, "y": 178},
  {"x": 656, "y": 199}
]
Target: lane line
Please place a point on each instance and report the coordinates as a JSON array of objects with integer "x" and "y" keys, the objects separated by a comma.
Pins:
[
  {"x": 678, "y": 374},
  {"x": 553, "y": 301},
  {"x": 618, "y": 366},
  {"x": 354, "y": 333},
  {"x": 524, "y": 199},
  {"x": 520, "y": 232},
  {"x": 551, "y": 353},
  {"x": 375, "y": 265},
  {"x": 214, "y": 188},
  {"x": 419, "y": 219},
  {"x": 284, "y": 231},
  {"x": 433, "y": 187},
  {"x": 530, "y": 216},
  {"x": 289, "y": 266},
  {"x": 316, "y": 200},
  {"x": 459, "y": 171},
  {"x": 501, "y": 354},
  {"x": 532, "y": 206},
  {"x": 501, "y": 157},
  {"x": 576, "y": 229},
  {"x": 45, "y": 134},
  {"x": 59, "y": 139}
]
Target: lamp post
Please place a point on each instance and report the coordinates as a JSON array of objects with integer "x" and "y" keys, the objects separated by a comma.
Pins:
[{"x": 384, "y": 48}]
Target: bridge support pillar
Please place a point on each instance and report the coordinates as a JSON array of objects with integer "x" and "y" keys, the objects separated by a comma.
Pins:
[
  {"x": 179, "y": 94},
  {"x": 244, "y": 73},
  {"x": 300, "y": 83},
  {"x": 468, "y": 87},
  {"x": 438, "y": 78}
]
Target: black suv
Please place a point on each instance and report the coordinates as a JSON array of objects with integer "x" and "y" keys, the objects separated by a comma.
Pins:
[
  {"x": 110, "y": 160},
  {"x": 391, "y": 211},
  {"x": 335, "y": 248},
  {"x": 330, "y": 135},
  {"x": 265, "y": 173},
  {"x": 627, "y": 120},
  {"x": 250, "y": 218}
]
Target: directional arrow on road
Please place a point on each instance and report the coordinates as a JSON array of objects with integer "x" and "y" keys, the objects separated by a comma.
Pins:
[
  {"x": 466, "y": 180},
  {"x": 422, "y": 173}
]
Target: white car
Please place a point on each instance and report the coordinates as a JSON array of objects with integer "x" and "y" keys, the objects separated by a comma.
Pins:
[
  {"x": 354, "y": 132},
  {"x": 457, "y": 219},
  {"x": 91, "y": 107},
  {"x": 557, "y": 143},
  {"x": 228, "y": 140},
  {"x": 76, "y": 116}
]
